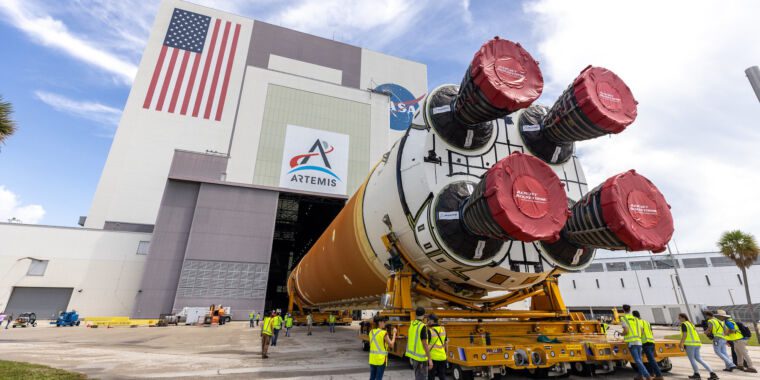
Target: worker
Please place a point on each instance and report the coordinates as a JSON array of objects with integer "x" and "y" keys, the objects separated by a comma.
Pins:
[
  {"x": 331, "y": 322},
  {"x": 605, "y": 326},
  {"x": 288, "y": 324},
  {"x": 251, "y": 315},
  {"x": 647, "y": 346},
  {"x": 691, "y": 343},
  {"x": 417, "y": 347},
  {"x": 221, "y": 315},
  {"x": 632, "y": 336},
  {"x": 266, "y": 335},
  {"x": 717, "y": 330},
  {"x": 736, "y": 340},
  {"x": 258, "y": 318},
  {"x": 309, "y": 323},
  {"x": 437, "y": 342},
  {"x": 378, "y": 348},
  {"x": 277, "y": 326}
]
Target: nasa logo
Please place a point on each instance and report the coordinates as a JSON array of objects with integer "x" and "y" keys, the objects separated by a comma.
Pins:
[
  {"x": 403, "y": 106},
  {"x": 300, "y": 162}
]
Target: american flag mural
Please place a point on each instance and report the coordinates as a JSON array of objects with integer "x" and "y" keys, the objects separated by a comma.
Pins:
[{"x": 192, "y": 73}]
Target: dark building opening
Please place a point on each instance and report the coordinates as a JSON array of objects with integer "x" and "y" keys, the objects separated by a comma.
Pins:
[{"x": 300, "y": 221}]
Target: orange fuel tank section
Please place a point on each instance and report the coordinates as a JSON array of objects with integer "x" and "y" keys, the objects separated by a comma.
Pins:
[{"x": 338, "y": 266}]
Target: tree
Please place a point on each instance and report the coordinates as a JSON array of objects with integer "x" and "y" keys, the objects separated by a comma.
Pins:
[
  {"x": 7, "y": 125},
  {"x": 743, "y": 250}
]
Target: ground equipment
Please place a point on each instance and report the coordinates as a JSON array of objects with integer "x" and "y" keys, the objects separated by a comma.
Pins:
[
  {"x": 67, "y": 318},
  {"x": 25, "y": 319},
  {"x": 478, "y": 209}
]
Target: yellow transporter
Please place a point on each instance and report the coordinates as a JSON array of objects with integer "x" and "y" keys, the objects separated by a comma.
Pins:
[{"x": 467, "y": 215}]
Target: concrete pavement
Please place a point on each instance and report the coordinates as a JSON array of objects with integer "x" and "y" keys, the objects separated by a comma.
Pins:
[{"x": 231, "y": 352}]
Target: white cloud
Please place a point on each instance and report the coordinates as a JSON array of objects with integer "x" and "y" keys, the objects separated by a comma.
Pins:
[
  {"x": 98, "y": 112},
  {"x": 696, "y": 134},
  {"x": 10, "y": 207},
  {"x": 52, "y": 32}
]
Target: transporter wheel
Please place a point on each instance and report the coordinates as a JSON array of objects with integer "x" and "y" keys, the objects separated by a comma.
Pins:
[
  {"x": 665, "y": 365},
  {"x": 582, "y": 369},
  {"x": 459, "y": 374},
  {"x": 365, "y": 346}
]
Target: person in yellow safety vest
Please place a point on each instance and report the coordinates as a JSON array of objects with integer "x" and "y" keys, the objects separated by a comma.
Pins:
[
  {"x": 605, "y": 326},
  {"x": 277, "y": 326},
  {"x": 737, "y": 342},
  {"x": 258, "y": 318},
  {"x": 266, "y": 335},
  {"x": 288, "y": 324},
  {"x": 417, "y": 347},
  {"x": 691, "y": 343},
  {"x": 647, "y": 346},
  {"x": 437, "y": 342},
  {"x": 717, "y": 329},
  {"x": 378, "y": 348},
  {"x": 632, "y": 336},
  {"x": 331, "y": 322},
  {"x": 251, "y": 315}
]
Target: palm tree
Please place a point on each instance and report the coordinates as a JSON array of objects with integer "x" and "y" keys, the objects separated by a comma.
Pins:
[
  {"x": 7, "y": 125},
  {"x": 743, "y": 250}
]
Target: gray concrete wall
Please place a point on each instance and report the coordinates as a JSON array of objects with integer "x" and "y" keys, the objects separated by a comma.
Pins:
[
  {"x": 272, "y": 39},
  {"x": 167, "y": 250},
  {"x": 231, "y": 232}
]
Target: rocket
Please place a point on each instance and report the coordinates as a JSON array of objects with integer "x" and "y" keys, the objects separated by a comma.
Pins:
[{"x": 472, "y": 199}]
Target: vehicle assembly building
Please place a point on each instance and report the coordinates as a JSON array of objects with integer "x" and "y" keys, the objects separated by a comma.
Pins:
[
  {"x": 248, "y": 152},
  {"x": 238, "y": 144}
]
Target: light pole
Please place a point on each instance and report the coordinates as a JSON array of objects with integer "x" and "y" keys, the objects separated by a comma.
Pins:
[
  {"x": 679, "y": 283},
  {"x": 753, "y": 75},
  {"x": 731, "y": 294}
]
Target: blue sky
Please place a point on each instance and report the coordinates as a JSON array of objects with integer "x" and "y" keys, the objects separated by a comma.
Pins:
[{"x": 67, "y": 68}]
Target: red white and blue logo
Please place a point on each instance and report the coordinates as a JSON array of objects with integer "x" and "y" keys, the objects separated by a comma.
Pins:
[
  {"x": 404, "y": 106},
  {"x": 310, "y": 161}
]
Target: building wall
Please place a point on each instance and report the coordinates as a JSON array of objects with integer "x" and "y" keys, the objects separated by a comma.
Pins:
[
  {"x": 657, "y": 286},
  {"x": 134, "y": 176},
  {"x": 102, "y": 267}
]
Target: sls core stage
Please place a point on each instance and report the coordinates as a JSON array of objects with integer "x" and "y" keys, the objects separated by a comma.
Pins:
[{"x": 473, "y": 202}]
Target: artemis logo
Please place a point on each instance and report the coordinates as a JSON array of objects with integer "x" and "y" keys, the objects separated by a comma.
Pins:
[
  {"x": 307, "y": 161},
  {"x": 315, "y": 160}
]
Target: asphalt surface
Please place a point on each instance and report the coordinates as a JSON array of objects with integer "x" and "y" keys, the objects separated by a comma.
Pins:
[{"x": 232, "y": 352}]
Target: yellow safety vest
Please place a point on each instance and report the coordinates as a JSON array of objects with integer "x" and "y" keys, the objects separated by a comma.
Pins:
[
  {"x": 646, "y": 332},
  {"x": 378, "y": 353},
  {"x": 718, "y": 329},
  {"x": 634, "y": 333},
  {"x": 266, "y": 328},
  {"x": 331, "y": 319},
  {"x": 250, "y": 315},
  {"x": 414, "y": 348},
  {"x": 605, "y": 327},
  {"x": 437, "y": 342},
  {"x": 692, "y": 338},
  {"x": 289, "y": 322},
  {"x": 736, "y": 335}
]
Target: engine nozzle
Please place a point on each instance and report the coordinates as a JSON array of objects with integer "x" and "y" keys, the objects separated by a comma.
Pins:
[
  {"x": 502, "y": 78},
  {"x": 626, "y": 212},
  {"x": 519, "y": 198},
  {"x": 596, "y": 103}
]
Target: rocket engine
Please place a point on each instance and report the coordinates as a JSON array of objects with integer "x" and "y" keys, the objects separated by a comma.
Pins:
[{"x": 487, "y": 195}]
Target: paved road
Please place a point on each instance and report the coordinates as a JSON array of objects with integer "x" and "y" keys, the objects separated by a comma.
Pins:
[{"x": 230, "y": 352}]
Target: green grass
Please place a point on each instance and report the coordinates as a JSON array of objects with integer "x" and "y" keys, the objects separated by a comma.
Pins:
[
  {"x": 19, "y": 370},
  {"x": 705, "y": 340}
]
